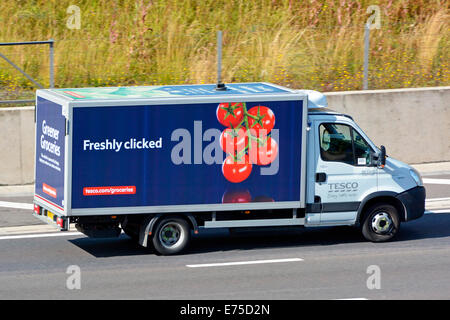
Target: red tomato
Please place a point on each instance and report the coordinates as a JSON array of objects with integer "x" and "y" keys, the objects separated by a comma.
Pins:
[
  {"x": 236, "y": 196},
  {"x": 232, "y": 140},
  {"x": 236, "y": 171},
  {"x": 264, "y": 153},
  {"x": 265, "y": 119},
  {"x": 230, "y": 114}
]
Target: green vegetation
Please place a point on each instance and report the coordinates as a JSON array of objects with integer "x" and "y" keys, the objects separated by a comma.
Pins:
[{"x": 303, "y": 44}]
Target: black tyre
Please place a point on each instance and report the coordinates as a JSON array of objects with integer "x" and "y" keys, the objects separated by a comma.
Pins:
[
  {"x": 381, "y": 223},
  {"x": 171, "y": 236}
]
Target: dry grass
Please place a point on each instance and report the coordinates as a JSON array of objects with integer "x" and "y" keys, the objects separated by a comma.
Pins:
[{"x": 308, "y": 44}]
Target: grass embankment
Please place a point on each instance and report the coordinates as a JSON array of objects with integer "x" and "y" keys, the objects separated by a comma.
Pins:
[{"x": 303, "y": 44}]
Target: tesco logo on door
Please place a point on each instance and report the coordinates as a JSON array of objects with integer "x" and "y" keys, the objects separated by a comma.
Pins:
[{"x": 49, "y": 190}]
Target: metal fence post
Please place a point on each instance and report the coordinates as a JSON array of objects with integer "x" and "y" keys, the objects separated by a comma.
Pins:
[
  {"x": 366, "y": 57},
  {"x": 220, "y": 86},
  {"x": 219, "y": 56},
  {"x": 51, "y": 67}
]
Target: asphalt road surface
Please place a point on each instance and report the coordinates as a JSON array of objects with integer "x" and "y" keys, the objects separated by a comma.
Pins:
[{"x": 320, "y": 263}]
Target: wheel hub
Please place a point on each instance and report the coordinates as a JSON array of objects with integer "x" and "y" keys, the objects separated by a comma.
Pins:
[
  {"x": 170, "y": 234},
  {"x": 382, "y": 223}
]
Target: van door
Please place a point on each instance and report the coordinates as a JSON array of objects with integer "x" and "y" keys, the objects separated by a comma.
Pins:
[
  {"x": 344, "y": 174},
  {"x": 50, "y": 155}
]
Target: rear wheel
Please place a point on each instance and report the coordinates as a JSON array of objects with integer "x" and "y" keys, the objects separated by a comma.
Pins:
[
  {"x": 381, "y": 223},
  {"x": 171, "y": 236}
]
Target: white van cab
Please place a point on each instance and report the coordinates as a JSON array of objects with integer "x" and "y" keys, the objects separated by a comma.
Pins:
[{"x": 351, "y": 181}]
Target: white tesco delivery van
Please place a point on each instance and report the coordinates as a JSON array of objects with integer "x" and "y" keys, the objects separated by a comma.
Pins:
[{"x": 161, "y": 162}]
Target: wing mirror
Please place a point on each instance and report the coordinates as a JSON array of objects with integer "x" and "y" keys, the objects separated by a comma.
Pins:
[
  {"x": 378, "y": 159},
  {"x": 382, "y": 159}
]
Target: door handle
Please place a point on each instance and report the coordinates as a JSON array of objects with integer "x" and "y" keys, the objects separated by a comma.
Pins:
[{"x": 321, "y": 177}]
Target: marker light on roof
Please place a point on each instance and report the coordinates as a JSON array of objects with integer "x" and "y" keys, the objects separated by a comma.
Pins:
[{"x": 316, "y": 99}]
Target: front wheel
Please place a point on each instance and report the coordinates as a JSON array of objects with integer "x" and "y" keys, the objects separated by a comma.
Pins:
[
  {"x": 381, "y": 223},
  {"x": 171, "y": 236}
]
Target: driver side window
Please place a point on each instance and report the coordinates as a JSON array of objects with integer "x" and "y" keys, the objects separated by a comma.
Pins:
[
  {"x": 336, "y": 143},
  {"x": 342, "y": 143}
]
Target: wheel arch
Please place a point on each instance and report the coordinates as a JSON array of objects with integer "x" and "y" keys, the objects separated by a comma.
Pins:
[
  {"x": 381, "y": 197},
  {"x": 148, "y": 225}
]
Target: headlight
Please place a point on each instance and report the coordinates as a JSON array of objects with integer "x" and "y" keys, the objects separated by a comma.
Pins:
[{"x": 416, "y": 176}]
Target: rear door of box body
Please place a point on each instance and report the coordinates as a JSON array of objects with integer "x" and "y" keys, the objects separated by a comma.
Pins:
[{"x": 50, "y": 154}]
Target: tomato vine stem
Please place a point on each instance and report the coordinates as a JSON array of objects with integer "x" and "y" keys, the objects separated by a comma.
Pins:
[{"x": 237, "y": 156}]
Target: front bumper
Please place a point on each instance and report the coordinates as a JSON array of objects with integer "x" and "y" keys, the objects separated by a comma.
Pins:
[{"x": 414, "y": 203}]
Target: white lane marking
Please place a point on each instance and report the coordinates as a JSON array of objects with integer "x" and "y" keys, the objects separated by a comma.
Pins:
[
  {"x": 352, "y": 299},
  {"x": 437, "y": 199},
  {"x": 238, "y": 263},
  {"x": 437, "y": 211},
  {"x": 436, "y": 181},
  {"x": 16, "y": 205},
  {"x": 42, "y": 235},
  {"x": 437, "y": 204}
]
